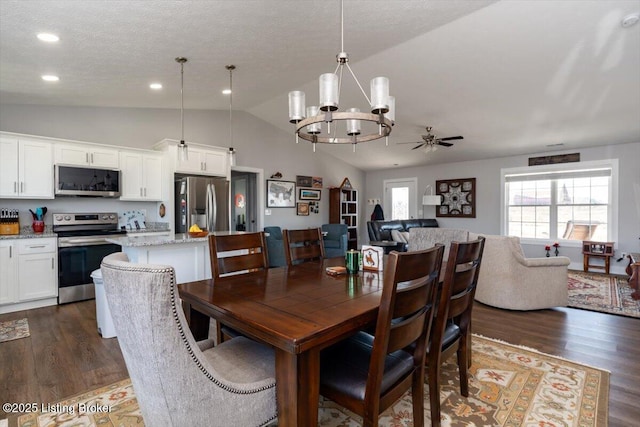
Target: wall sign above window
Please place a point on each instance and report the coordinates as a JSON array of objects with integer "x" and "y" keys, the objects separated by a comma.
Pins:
[
  {"x": 458, "y": 198},
  {"x": 552, "y": 160}
]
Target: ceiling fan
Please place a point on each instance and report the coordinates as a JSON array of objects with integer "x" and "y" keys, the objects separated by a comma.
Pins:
[{"x": 431, "y": 141}]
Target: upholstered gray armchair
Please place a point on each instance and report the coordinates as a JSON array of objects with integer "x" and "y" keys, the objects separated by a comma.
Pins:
[
  {"x": 275, "y": 246},
  {"x": 335, "y": 240},
  {"x": 177, "y": 381}
]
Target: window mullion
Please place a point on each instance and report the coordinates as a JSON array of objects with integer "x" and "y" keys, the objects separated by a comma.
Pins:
[{"x": 553, "y": 211}]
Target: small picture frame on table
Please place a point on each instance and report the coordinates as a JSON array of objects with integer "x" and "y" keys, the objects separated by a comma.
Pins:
[{"x": 372, "y": 258}]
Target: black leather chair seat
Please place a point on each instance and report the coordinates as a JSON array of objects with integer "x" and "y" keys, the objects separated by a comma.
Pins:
[{"x": 345, "y": 366}]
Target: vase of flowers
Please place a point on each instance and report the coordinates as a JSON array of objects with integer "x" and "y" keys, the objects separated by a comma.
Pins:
[
  {"x": 547, "y": 248},
  {"x": 556, "y": 245}
]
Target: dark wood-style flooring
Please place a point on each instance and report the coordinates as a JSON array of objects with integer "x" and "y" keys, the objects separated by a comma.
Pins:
[{"x": 65, "y": 355}]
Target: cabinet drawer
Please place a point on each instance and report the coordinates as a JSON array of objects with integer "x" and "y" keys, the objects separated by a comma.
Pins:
[{"x": 36, "y": 246}]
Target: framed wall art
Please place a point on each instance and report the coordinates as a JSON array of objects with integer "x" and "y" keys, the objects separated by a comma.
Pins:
[
  {"x": 281, "y": 194},
  {"x": 302, "y": 208},
  {"x": 309, "y": 194},
  {"x": 316, "y": 182},
  {"x": 304, "y": 181},
  {"x": 458, "y": 198}
]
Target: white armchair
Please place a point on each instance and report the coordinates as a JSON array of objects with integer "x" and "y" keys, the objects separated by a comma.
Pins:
[{"x": 509, "y": 280}]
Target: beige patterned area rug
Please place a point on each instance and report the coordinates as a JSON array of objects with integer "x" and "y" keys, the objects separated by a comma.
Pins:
[
  {"x": 509, "y": 386},
  {"x": 602, "y": 292},
  {"x": 14, "y": 329}
]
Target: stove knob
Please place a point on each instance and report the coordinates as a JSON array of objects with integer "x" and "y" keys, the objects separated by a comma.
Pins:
[
  {"x": 58, "y": 217},
  {"x": 112, "y": 217},
  {"x": 105, "y": 217},
  {"x": 67, "y": 217}
]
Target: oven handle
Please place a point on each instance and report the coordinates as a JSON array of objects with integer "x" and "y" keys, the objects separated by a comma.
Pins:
[{"x": 82, "y": 242}]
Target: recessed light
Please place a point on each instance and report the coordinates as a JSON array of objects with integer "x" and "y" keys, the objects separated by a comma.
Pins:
[
  {"x": 155, "y": 86},
  {"x": 50, "y": 78},
  {"x": 226, "y": 92},
  {"x": 630, "y": 20},
  {"x": 48, "y": 37}
]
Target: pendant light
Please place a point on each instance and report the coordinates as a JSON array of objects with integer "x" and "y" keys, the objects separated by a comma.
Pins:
[
  {"x": 232, "y": 152},
  {"x": 183, "y": 151}
]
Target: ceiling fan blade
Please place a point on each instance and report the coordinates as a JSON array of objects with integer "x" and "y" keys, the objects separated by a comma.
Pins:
[
  {"x": 418, "y": 146},
  {"x": 450, "y": 138},
  {"x": 444, "y": 144},
  {"x": 411, "y": 142}
]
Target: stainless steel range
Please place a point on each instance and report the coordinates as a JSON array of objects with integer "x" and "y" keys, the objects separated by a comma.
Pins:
[{"x": 81, "y": 246}]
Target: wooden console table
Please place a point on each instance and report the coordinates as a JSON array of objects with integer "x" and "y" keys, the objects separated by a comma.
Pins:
[
  {"x": 597, "y": 250},
  {"x": 633, "y": 270}
]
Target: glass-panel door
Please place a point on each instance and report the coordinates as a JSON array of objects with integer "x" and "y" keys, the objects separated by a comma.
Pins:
[{"x": 400, "y": 198}]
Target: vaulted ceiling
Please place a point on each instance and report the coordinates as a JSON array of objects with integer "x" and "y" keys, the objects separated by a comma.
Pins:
[{"x": 512, "y": 77}]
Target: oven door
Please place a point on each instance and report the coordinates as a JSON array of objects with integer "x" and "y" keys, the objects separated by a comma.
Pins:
[{"x": 75, "y": 265}]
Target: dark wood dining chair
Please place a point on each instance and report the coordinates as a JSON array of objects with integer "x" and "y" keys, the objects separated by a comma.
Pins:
[
  {"x": 368, "y": 373},
  {"x": 451, "y": 331},
  {"x": 236, "y": 254},
  {"x": 303, "y": 245}
]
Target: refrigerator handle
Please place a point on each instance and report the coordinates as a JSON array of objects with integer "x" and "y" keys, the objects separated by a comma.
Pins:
[{"x": 211, "y": 207}]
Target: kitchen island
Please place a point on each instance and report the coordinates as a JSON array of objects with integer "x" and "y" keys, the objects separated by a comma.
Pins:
[{"x": 189, "y": 256}]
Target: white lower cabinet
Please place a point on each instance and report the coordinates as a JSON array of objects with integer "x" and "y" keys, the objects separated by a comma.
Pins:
[{"x": 29, "y": 273}]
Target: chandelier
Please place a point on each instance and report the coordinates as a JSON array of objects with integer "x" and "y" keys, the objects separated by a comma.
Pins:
[{"x": 308, "y": 120}]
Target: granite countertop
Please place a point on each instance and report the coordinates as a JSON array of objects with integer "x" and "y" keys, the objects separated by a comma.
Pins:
[
  {"x": 140, "y": 241},
  {"x": 27, "y": 233},
  {"x": 172, "y": 239}
]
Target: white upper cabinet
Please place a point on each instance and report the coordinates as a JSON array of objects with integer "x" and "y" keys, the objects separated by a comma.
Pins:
[
  {"x": 86, "y": 155},
  {"x": 141, "y": 176},
  {"x": 26, "y": 168},
  {"x": 203, "y": 162}
]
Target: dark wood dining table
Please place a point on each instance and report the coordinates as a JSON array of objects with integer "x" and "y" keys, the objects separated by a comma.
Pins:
[{"x": 297, "y": 310}]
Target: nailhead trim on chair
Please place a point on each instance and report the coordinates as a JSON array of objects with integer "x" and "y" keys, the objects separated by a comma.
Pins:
[{"x": 184, "y": 337}]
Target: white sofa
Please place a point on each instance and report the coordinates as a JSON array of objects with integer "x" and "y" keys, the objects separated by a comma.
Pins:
[
  {"x": 425, "y": 238},
  {"x": 509, "y": 280}
]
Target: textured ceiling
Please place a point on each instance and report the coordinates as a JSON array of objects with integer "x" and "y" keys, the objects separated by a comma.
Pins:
[{"x": 511, "y": 76}]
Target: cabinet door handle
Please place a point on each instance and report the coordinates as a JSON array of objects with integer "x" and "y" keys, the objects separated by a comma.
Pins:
[
  {"x": 86, "y": 157},
  {"x": 22, "y": 187},
  {"x": 37, "y": 246},
  {"x": 205, "y": 166},
  {"x": 145, "y": 192},
  {"x": 91, "y": 157},
  {"x": 52, "y": 267},
  {"x": 10, "y": 251},
  {"x": 140, "y": 191},
  {"x": 15, "y": 187}
]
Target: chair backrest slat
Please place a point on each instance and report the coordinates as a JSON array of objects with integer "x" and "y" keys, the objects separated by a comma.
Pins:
[{"x": 225, "y": 259}]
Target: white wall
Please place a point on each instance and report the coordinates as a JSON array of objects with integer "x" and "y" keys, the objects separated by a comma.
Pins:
[
  {"x": 258, "y": 144},
  {"x": 487, "y": 174}
]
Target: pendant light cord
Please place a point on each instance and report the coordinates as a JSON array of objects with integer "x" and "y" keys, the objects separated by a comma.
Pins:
[
  {"x": 182, "y": 99},
  {"x": 230, "y": 68}
]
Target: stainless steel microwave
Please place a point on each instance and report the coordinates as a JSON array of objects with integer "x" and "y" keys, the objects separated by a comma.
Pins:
[{"x": 86, "y": 181}]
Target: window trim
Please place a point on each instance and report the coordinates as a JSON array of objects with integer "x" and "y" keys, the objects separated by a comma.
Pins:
[{"x": 594, "y": 164}]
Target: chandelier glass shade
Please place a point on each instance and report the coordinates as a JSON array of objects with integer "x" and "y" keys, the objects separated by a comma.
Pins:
[{"x": 359, "y": 126}]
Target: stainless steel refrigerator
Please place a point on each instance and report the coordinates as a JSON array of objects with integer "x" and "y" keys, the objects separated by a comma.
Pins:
[{"x": 203, "y": 201}]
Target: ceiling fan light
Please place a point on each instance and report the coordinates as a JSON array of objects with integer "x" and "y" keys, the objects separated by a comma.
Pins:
[
  {"x": 314, "y": 128},
  {"x": 379, "y": 95},
  {"x": 296, "y": 106},
  {"x": 353, "y": 126},
  {"x": 328, "y": 92}
]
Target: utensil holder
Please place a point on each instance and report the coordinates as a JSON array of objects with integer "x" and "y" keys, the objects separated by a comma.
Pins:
[{"x": 38, "y": 226}]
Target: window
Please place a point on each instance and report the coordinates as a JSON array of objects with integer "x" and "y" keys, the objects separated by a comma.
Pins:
[{"x": 560, "y": 202}]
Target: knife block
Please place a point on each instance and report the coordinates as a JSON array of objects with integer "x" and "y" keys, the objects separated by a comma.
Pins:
[{"x": 8, "y": 228}]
